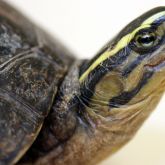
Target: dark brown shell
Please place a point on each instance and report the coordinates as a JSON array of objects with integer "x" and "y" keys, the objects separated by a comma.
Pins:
[{"x": 31, "y": 68}]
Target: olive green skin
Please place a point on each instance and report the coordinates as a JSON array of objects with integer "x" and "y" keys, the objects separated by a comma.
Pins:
[{"x": 32, "y": 66}]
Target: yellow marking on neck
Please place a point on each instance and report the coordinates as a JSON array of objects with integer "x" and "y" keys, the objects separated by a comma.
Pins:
[{"x": 120, "y": 45}]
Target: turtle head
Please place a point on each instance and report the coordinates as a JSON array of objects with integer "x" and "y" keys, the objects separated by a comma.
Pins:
[
  {"x": 127, "y": 77},
  {"x": 124, "y": 82}
]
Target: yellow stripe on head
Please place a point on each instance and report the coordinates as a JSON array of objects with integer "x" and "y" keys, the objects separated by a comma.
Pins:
[
  {"x": 151, "y": 19},
  {"x": 123, "y": 42}
]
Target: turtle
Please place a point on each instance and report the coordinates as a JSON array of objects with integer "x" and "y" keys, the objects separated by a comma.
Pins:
[{"x": 58, "y": 110}]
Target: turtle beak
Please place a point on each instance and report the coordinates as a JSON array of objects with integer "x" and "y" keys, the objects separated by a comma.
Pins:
[{"x": 158, "y": 62}]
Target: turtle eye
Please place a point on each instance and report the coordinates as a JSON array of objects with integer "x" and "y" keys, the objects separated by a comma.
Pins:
[{"x": 145, "y": 41}]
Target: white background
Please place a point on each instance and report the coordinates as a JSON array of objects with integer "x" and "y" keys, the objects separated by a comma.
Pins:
[{"x": 85, "y": 26}]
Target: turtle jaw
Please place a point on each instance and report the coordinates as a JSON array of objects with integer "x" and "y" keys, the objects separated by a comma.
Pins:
[{"x": 157, "y": 62}]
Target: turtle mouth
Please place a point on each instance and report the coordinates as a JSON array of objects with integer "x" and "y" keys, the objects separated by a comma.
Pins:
[{"x": 158, "y": 62}]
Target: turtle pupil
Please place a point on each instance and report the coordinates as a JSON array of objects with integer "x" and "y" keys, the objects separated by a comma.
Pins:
[{"x": 146, "y": 40}]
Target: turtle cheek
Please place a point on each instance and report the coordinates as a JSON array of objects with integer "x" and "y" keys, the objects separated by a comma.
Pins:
[{"x": 109, "y": 86}]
